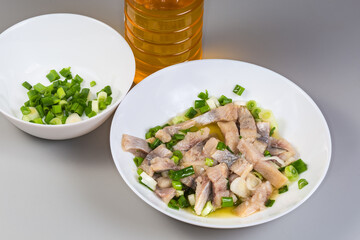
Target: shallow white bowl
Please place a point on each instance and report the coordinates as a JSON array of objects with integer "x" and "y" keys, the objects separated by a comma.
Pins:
[
  {"x": 172, "y": 90},
  {"x": 31, "y": 48}
]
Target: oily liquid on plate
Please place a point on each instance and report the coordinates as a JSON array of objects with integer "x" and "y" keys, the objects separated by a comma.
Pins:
[{"x": 163, "y": 32}]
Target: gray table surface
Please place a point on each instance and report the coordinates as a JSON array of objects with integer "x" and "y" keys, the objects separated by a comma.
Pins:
[{"x": 72, "y": 190}]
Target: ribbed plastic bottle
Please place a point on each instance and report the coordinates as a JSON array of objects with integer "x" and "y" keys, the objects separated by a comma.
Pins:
[{"x": 163, "y": 32}]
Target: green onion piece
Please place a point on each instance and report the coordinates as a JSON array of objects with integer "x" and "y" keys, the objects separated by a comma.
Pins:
[
  {"x": 40, "y": 110},
  {"x": 300, "y": 166},
  {"x": 267, "y": 153},
  {"x": 173, "y": 204},
  {"x": 281, "y": 169},
  {"x": 55, "y": 121},
  {"x": 87, "y": 111},
  {"x": 291, "y": 173},
  {"x": 199, "y": 103},
  {"x": 25, "y": 110},
  {"x": 192, "y": 129},
  {"x": 57, "y": 109},
  {"x": 108, "y": 101},
  {"x": 33, "y": 95},
  {"x": 140, "y": 181},
  {"x": 102, "y": 105},
  {"x": 63, "y": 119},
  {"x": 209, "y": 162},
  {"x": 221, "y": 146},
  {"x": 182, "y": 173},
  {"x": 37, "y": 120},
  {"x": 204, "y": 109},
  {"x": 47, "y": 101},
  {"x": 27, "y": 104},
  {"x": 139, "y": 171},
  {"x": 240, "y": 137},
  {"x": 53, "y": 75},
  {"x": 229, "y": 149},
  {"x": 183, "y": 202},
  {"x": 204, "y": 95},
  {"x": 148, "y": 135},
  {"x": 78, "y": 79},
  {"x": 65, "y": 72},
  {"x": 138, "y": 161},
  {"x": 92, "y": 114},
  {"x": 169, "y": 145},
  {"x": 175, "y": 159},
  {"x": 179, "y": 136},
  {"x": 155, "y": 144},
  {"x": 48, "y": 117},
  {"x": 177, "y": 185},
  {"x": 302, "y": 183},
  {"x": 269, "y": 203},
  {"x": 92, "y": 83},
  {"x": 207, "y": 209},
  {"x": 61, "y": 93},
  {"x": 84, "y": 93},
  {"x": 27, "y": 85},
  {"x": 272, "y": 131},
  {"x": 227, "y": 202},
  {"x": 80, "y": 110},
  {"x": 107, "y": 89},
  {"x": 255, "y": 112},
  {"x": 238, "y": 90},
  {"x": 283, "y": 189},
  {"x": 251, "y": 105},
  {"x": 224, "y": 100},
  {"x": 178, "y": 154},
  {"x": 190, "y": 113},
  {"x": 258, "y": 175}
]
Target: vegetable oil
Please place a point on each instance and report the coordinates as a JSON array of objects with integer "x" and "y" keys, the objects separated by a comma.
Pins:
[{"x": 163, "y": 32}]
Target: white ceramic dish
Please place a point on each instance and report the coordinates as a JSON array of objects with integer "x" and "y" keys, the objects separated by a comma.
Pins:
[
  {"x": 172, "y": 90},
  {"x": 31, "y": 48}
]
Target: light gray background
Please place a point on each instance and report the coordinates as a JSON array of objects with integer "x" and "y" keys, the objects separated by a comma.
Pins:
[{"x": 72, "y": 190}]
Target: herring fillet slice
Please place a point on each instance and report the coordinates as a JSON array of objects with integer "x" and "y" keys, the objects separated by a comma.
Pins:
[
  {"x": 247, "y": 124},
  {"x": 231, "y": 134},
  {"x": 137, "y": 146},
  {"x": 202, "y": 192},
  {"x": 160, "y": 151}
]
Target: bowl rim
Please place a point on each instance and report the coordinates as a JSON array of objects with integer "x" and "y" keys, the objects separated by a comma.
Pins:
[
  {"x": 110, "y": 108},
  {"x": 223, "y": 226}
]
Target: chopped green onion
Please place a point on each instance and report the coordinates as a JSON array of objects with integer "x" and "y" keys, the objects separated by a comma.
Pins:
[
  {"x": 182, "y": 173},
  {"x": 37, "y": 120},
  {"x": 40, "y": 110},
  {"x": 224, "y": 100},
  {"x": 238, "y": 90},
  {"x": 108, "y": 91},
  {"x": 55, "y": 121},
  {"x": 63, "y": 119},
  {"x": 269, "y": 203},
  {"x": 178, "y": 154},
  {"x": 192, "y": 129},
  {"x": 177, "y": 185},
  {"x": 48, "y": 117},
  {"x": 138, "y": 161},
  {"x": 108, "y": 100},
  {"x": 267, "y": 153},
  {"x": 84, "y": 93},
  {"x": 199, "y": 103},
  {"x": 300, "y": 166},
  {"x": 169, "y": 145},
  {"x": 178, "y": 136},
  {"x": 175, "y": 159},
  {"x": 251, "y": 105},
  {"x": 240, "y": 137},
  {"x": 47, "y": 101},
  {"x": 227, "y": 202},
  {"x": 209, "y": 162},
  {"x": 291, "y": 173},
  {"x": 229, "y": 149},
  {"x": 92, "y": 114},
  {"x": 61, "y": 93},
  {"x": 155, "y": 144},
  {"x": 255, "y": 112},
  {"x": 65, "y": 72},
  {"x": 272, "y": 131},
  {"x": 183, "y": 202},
  {"x": 221, "y": 146},
  {"x": 78, "y": 79},
  {"x": 148, "y": 135},
  {"x": 302, "y": 183},
  {"x": 258, "y": 175},
  {"x": 25, "y": 110},
  {"x": 92, "y": 83},
  {"x": 33, "y": 95},
  {"x": 102, "y": 96},
  {"x": 190, "y": 113},
  {"x": 204, "y": 95},
  {"x": 102, "y": 105},
  {"x": 173, "y": 204},
  {"x": 139, "y": 171},
  {"x": 207, "y": 209},
  {"x": 27, "y": 85},
  {"x": 57, "y": 109},
  {"x": 283, "y": 189},
  {"x": 53, "y": 75},
  {"x": 204, "y": 109}
]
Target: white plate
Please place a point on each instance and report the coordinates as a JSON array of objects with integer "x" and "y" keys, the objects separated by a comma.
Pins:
[
  {"x": 172, "y": 90},
  {"x": 31, "y": 48}
]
